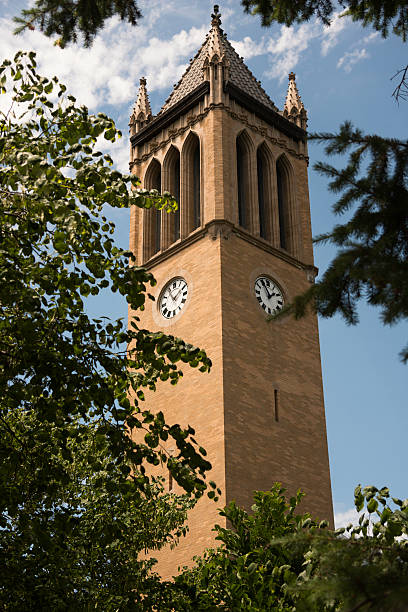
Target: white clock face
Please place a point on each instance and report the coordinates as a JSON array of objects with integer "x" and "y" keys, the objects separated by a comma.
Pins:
[
  {"x": 173, "y": 298},
  {"x": 268, "y": 294}
]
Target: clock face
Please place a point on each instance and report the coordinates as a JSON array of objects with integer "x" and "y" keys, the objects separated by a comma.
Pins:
[
  {"x": 173, "y": 298},
  {"x": 268, "y": 294}
]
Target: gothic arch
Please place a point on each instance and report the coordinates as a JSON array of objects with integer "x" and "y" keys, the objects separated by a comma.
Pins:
[
  {"x": 287, "y": 213},
  {"x": 191, "y": 184},
  {"x": 265, "y": 174},
  {"x": 244, "y": 154},
  {"x": 171, "y": 182},
  {"x": 152, "y": 216}
]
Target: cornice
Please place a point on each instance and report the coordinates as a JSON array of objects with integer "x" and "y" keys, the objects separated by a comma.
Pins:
[
  {"x": 267, "y": 114},
  {"x": 220, "y": 228},
  {"x": 195, "y": 118},
  {"x": 163, "y": 120},
  {"x": 270, "y": 116}
]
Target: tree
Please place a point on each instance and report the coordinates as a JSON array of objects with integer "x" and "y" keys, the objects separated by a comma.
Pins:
[
  {"x": 252, "y": 569},
  {"x": 74, "y": 489},
  {"x": 372, "y": 246},
  {"x": 363, "y": 567},
  {"x": 69, "y": 19},
  {"x": 372, "y": 260},
  {"x": 274, "y": 559},
  {"x": 380, "y": 14}
]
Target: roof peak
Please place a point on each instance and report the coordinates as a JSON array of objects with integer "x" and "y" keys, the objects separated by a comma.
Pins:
[
  {"x": 216, "y": 49},
  {"x": 216, "y": 16}
]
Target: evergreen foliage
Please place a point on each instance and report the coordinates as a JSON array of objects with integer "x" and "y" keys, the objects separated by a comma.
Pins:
[
  {"x": 382, "y": 15},
  {"x": 77, "y": 502},
  {"x": 69, "y": 19},
  {"x": 372, "y": 244},
  {"x": 372, "y": 260}
]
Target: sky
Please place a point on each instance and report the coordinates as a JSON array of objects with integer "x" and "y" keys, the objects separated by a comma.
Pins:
[{"x": 343, "y": 72}]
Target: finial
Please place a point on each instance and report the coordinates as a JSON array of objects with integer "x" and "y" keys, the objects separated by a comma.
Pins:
[
  {"x": 142, "y": 111},
  {"x": 216, "y": 16},
  {"x": 294, "y": 109}
]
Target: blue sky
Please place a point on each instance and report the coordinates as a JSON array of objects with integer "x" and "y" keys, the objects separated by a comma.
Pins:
[{"x": 343, "y": 72}]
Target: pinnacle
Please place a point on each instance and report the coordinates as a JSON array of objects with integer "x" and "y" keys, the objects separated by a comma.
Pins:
[
  {"x": 142, "y": 110},
  {"x": 216, "y": 36},
  {"x": 293, "y": 99}
]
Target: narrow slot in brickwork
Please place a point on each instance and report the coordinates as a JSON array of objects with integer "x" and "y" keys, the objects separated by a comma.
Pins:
[{"x": 276, "y": 404}]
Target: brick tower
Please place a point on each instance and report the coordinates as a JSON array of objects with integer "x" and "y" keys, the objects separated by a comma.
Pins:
[{"x": 238, "y": 248}]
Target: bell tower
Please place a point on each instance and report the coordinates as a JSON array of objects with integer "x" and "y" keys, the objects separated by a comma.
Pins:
[{"x": 237, "y": 249}]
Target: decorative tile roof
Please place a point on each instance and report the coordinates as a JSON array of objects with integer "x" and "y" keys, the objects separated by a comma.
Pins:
[{"x": 217, "y": 44}]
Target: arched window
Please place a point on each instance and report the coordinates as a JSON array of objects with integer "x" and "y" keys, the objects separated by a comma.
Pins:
[
  {"x": 196, "y": 186},
  {"x": 263, "y": 166},
  {"x": 284, "y": 196},
  {"x": 176, "y": 193},
  {"x": 153, "y": 216},
  {"x": 172, "y": 183},
  {"x": 191, "y": 184},
  {"x": 243, "y": 150}
]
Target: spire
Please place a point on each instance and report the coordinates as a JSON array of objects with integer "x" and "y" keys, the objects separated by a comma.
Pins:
[
  {"x": 294, "y": 109},
  {"x": 142, "y": 112},
  {"x": 215, "y": 44},
  {"x": 217, "y": 62}
]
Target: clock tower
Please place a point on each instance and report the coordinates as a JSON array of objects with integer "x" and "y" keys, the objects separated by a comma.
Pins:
[{"x": 238, "y": 248}]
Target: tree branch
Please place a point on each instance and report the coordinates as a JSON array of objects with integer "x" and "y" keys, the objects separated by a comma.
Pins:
[{"x": 401, "y": 90}]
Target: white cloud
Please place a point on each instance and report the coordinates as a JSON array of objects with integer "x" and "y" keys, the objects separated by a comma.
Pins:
[
  {"x": 248, "y": 48},
  {"x": 331, "y": 33},
  {"x": 287, "y": 49},
  {"x": 349, "y": 59},
  {"x": 342, "y": 519},
  {"x": 371, "y": 38},
  {"x": 118, "y": 150},
  {"x": 108, "y": 72},
  {"x": 164, "y": 61}
]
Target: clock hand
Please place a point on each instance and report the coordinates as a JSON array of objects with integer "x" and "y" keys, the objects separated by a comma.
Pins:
[{"x": 265, "y": 286}]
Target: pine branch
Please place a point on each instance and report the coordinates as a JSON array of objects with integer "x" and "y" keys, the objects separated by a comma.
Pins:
[
  {"x": 372, "y": 261},
  {"x": 69, "y": 19},
  {"x": 401, "y": 90}
]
